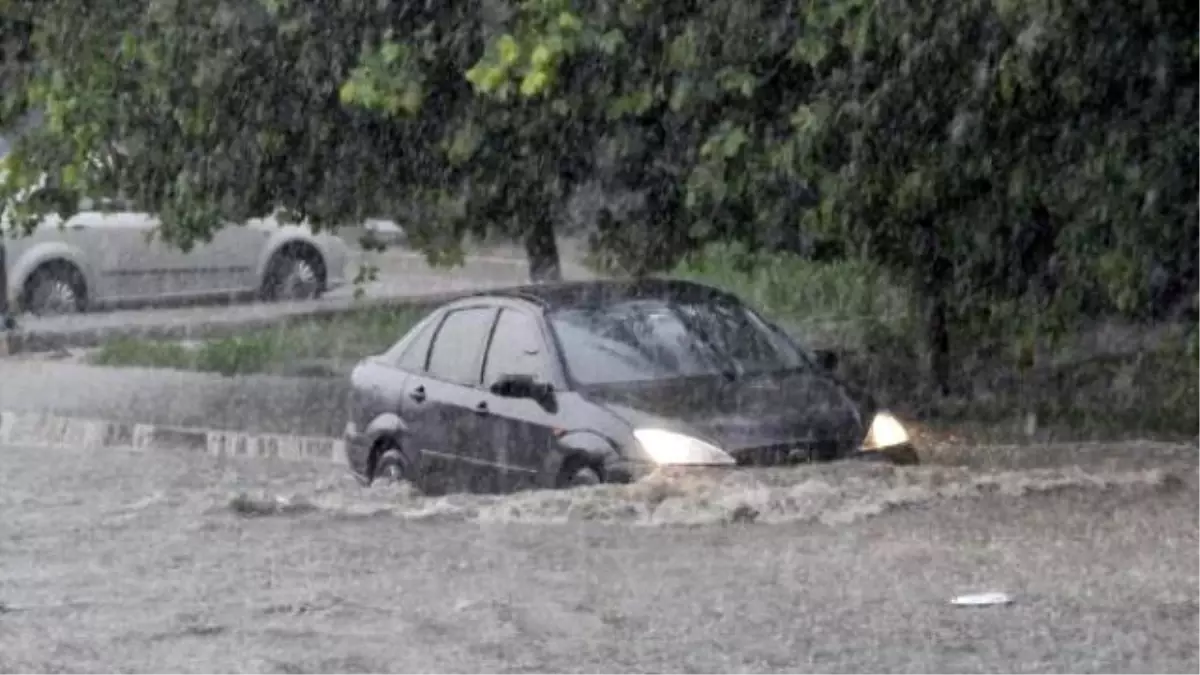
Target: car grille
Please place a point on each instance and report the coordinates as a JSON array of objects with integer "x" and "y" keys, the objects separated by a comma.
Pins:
[{"x": 782, "y": 454}]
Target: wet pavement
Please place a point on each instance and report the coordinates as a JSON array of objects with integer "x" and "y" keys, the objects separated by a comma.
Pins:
[{"x": 263, "y": 403}]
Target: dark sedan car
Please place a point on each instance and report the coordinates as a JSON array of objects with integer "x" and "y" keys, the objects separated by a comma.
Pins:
[{"x": 584, "y": 382}]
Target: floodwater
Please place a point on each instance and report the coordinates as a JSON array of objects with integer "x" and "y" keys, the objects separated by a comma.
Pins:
[{"x": 159, "y": 562}]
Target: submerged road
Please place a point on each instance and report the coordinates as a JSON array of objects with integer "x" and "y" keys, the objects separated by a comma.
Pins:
[{"x": 119, "y": 561}]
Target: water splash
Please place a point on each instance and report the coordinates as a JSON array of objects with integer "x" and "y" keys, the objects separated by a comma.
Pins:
[{"x": 831, "y": 495}]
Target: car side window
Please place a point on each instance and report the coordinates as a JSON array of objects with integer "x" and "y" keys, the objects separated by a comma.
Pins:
[
  {"x": 415, "y": 354},
  {"x": 458, "y": 343},
  {"x": 517, "y": 348}
]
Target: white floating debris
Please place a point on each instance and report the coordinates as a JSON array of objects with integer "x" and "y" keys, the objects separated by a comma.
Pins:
[{"x": 981, "y": 599}]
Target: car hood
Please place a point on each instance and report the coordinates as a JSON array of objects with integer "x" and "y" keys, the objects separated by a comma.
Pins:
[{"x": 796, "y": 407}]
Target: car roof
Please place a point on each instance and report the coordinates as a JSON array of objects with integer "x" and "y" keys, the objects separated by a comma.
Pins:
[{"x": 570, "y": 294}]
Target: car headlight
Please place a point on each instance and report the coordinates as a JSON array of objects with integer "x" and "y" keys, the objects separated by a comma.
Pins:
[
  {"x": 671, "y": 448},
  {"x": 886, "y": 431}
]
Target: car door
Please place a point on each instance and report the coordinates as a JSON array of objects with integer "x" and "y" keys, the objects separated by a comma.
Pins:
[
  {"x": 105, "y": 242},
  {"x": 441, "y": 403},
  {"x": 520, "y": 431},
  {"x": 230, "y": 260},
  {"x": 380, "y": 386},
  {"x": 122, "y": 247},
  {"x": 224, "y": 264}
]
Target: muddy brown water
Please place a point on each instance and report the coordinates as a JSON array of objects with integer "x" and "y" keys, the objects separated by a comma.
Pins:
[{"x": 163, "y": 562}]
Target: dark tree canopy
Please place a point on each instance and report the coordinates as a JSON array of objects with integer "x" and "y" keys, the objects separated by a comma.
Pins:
[{"x": 994, "y": 153}]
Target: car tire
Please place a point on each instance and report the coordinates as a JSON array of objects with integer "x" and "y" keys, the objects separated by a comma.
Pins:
[
  {"x": 392, "y": 466},
  {"x": 581, "y": 476},
  {"x": 295, "y": 272},
  {"x": 54, "y": 288}
]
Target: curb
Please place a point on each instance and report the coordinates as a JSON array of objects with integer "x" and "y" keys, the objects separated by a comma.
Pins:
[{"x": 42, "y": 430}]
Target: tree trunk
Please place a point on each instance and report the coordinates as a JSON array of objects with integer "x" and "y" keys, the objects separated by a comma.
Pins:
[
  {"x": 934, "y": 284},
  {"x": 541, "y": 248},
  {"x": 937, "y": 337}
]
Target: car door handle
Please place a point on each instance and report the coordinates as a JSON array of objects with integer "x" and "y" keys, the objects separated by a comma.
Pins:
[
  {"x": 417, "y": 394},
  {"x": 481, "y": 408}
]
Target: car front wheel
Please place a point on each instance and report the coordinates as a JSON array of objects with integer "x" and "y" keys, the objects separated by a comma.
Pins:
[
  {"x": 391, "y": 467},
  {"x": 582, "y": 477}
]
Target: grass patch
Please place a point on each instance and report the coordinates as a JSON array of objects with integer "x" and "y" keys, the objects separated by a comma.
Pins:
[
  {"x": 1114, "y": 396},
  {"x": 844, "y": 303},
  {"x": 315, "y": 346},
  {"x": 860, "y": 310},
  {"x": 813, "y": 299}
]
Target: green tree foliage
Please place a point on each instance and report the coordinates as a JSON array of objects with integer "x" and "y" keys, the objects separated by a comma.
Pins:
[
  {"x": 211, "y": 111},
  {"x": 508, "y": 150},
  {"x": 1003, "y": 156},
  {"x": 1024, "y": 154},
  {"x": 1021, "y": 162}
]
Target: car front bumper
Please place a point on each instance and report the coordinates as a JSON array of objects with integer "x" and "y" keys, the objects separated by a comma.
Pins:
[
  {"x": 629, "y": 471},
  {"x": 904, "y": 454}
]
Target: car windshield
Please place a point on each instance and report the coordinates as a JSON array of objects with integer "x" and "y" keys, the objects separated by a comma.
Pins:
[{"x": 638, "y": 340}]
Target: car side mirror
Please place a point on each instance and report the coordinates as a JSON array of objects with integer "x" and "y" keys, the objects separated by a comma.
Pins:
[
  {"x": 827, "y": 359},
  {"x": 520, "y": 386}
]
